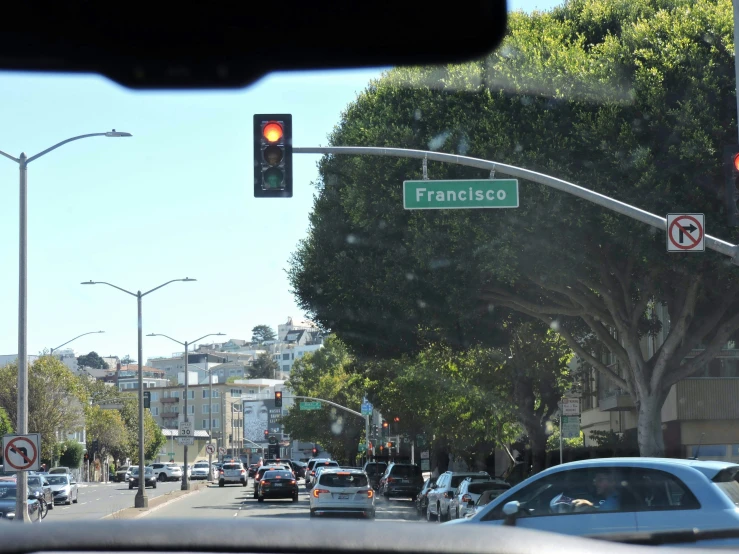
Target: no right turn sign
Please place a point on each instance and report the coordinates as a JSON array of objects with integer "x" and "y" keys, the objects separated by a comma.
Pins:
[{"x": 686, "y": 233}]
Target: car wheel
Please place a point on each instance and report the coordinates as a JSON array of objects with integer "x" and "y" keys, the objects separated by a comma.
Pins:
[
  {"x": 162, "y": 477},
  {"x": 130, "y": 486},
  {"x": 68, "y": 503},
  {"x": 457, "y": 513},
  {"x": 243, "y": 483},
  {"x": 154, "y": 485},
  {"x": 295, "y": 498},
  {"x": 221, "y": 483},
  {"x": 429, "y": 515},
  {"x": 312, "y": 515},
  {"x": 260, "y": 499},
  {"x": 76, "y": 497}
]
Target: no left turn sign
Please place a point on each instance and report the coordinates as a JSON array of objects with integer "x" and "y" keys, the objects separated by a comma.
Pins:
[
  {"x": 686, "y": 233},
  {"x": 21, "y": 452},
  {"x": 210, "y": 448}
]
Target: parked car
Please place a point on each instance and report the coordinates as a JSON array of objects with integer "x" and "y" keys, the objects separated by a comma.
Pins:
[
  {"x": 8, "y": 495},
  {"x": 150, "y": 478},
  {"x": 63, "y": 487},
  {"x": 422, "y": 499},
  {"x": 469, "y": 491},
  {"x": 42, "y": 489},
  {"x": 485, "y": 499},
  {"x": 441, "y": 494},
  {"x": 645, "y": 494}
]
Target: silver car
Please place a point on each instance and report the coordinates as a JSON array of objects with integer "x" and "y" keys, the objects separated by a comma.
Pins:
[
  {"x": 232, "y": 473},
  {"x": 63, "y": 487},
  {"x": 199, "y": 471}
]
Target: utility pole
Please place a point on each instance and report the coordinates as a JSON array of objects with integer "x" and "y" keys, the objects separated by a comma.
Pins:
[{"x": 735, "y": 5}]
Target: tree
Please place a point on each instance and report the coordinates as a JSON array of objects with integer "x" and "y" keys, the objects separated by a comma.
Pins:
[
  {"x": 6, "y": 427},
  {"x": 262, "y": 333},
  {"x": 55, "y": 399},
  {"x": 264, "y": 367},
  {"x": 108, "y": 428},
  {"x": 71, "y": 453},
  {"x": 592, "y": 92},
  {"x": 126, "y": 360},
  {"x": 325, "y": 374},
  {"x": 153, "y": 437},
  {"x": 92, "y": 360}
]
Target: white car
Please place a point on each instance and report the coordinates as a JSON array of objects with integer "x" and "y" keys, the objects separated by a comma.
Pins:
[
  {"x": 167, "y": 471},
  {"x": 199, "y": 471},
  {"x": 63, "y": 487},
  {"x": 232, "y": 473},
  {"x": 342, "y": 492}
]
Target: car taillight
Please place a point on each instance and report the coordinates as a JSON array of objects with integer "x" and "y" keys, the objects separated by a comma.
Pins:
[
  {"x": 292, "y": 482},
  {"x": 221, "y": 472},
  {"x": 369, "y": 492},
  {"x": 466, "y": 498},
  {"x": 263, "y": 482},
  {"x": 242, "y": 471},
  {"x": 317, "y": 492}
]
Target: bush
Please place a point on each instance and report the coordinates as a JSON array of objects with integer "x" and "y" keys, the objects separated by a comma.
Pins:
[{"x": 71, "y": 455}]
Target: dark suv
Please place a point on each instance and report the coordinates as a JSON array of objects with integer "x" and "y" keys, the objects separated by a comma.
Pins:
[
  {"x": 401, "y": 480},
  {"x": 374, "y": 471}
]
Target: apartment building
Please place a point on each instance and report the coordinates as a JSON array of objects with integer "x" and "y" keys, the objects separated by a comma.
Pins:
[{"x": 699, "y": 417}]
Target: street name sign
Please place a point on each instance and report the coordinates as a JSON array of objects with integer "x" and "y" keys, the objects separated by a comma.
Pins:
[
  {"x": 310, "y": 405},
  {"x": 22, "y": 452},
  {"x": 460, "y": 194},
  {"x": 686, "y": 233}
]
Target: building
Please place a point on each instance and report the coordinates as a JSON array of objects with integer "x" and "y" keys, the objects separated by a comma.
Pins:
[
  {"x": 699, "y": 417},
  {"x": 126, "y": 377},
  {"x": 200, "y": 362},
  {"x": 284, "y": 328},
  {"x": 6, "y": 359}
]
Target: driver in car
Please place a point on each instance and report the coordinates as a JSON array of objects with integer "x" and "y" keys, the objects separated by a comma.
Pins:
[{"x": 606, "y": 488}]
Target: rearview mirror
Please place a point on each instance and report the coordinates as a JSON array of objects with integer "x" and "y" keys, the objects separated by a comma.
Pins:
[{"x": 511, "y": 510}]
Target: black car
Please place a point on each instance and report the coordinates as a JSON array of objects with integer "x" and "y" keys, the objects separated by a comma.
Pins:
[
  {"x": 259, "y": 475},
  {"x": 252, "y": 471},
  {"x": 39, "y": 486},
  {"x": 401, "y": 480},
  {"x": 150, "y": 479},
  {"x": 422, "y": 498},
  {"x": 277, "y": 484},
  {"x": 8, "y": 492}
]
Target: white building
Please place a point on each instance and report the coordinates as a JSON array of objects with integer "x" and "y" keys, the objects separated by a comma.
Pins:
[{"x": 284, "y": 328}]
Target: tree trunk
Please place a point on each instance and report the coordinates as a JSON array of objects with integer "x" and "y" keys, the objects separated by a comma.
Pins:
[
  {"x": 538, "y": 443},
  {"x": 649, "y": 425}
]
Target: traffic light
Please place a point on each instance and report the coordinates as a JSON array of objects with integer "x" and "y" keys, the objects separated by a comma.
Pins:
[
  {"x": 385, "y": 425},
  {"x": 396, "y": 419},
  {"x": 315, "y": 451},
  {"x": 278, "y": 399},
  {"x": 266, "y": 433},
  {"x": 273, "y": 155},
  {"x": 731, "y": 171},
  {"x": 147, "y": 399},
  {"x": 95, "y": 446}
]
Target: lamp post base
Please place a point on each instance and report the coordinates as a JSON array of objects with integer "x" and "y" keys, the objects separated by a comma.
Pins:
[
  {"x": 141, "y": 501},
  {"x": 185, "y": 486}
]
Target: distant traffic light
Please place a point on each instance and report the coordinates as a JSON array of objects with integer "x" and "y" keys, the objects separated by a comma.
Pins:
[
  {"x": 315, "y": 451},
  {"x": 278, "y": 399},
  {"x": 396, "y": 419},
  {"x": 273, "y": 155},
  {"x": 266, "y": 433},
  {"x": 731, "y": 171},
  {"x": 147, "y": 399},
  {"x": 385, "y": 425}
]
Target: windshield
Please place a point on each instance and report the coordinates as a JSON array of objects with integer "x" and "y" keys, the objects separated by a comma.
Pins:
[
  {"x": 502, "y": 265},
  {"x": 57, "y": 479},
  {"x": 343, "y": 480},
  {"x": 8, "y": 493}
]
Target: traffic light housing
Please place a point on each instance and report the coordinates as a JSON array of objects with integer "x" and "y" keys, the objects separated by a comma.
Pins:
[
  {"x": 385, "y": 425},
  {"x": 315, "y": 451},
  {"x": 266, "y": 433},
  {"x": 278, "y": 399},
  {"x": 147, "y": 400},
  {"x": 731, "y": 171},
  {"x": 95, "y": 446},
  {"x": 273, "y": 155}
]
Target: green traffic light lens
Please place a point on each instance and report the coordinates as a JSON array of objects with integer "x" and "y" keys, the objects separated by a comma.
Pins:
[
  {"x": 273, "y": 155},
  {"x": 273, "y": 178}
]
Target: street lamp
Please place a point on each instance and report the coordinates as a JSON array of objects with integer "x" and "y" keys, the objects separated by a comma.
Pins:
[
  {"x": 185, "y": 484},
  {"x": 21, "y": 504},
  {"x": 141, "y": 500},
  {"x": 75, "y": 338}
]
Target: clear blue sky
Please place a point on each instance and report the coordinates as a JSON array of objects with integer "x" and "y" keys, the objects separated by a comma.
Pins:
[{"x": 176, "y": 200}]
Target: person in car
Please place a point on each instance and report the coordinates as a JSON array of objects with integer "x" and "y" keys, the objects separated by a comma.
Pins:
[{"x": 606, "y": 488}]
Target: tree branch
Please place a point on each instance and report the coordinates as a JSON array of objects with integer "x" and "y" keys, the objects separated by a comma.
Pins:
[
  {"x": 607, "y": 339},
  {"x": 505, "y": 296},
  {"x": 587, "y": 300}
]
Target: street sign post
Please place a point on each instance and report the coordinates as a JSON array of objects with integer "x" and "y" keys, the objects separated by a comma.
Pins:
[
  {"x": 460, "y": 194},
  {"x": 22, "y": 452},
  {"x": 570, "y": 427},
  {"x": 185, "y": 429},
  {"x": 686, "y": 233},
  {"x": 366, "y": 408},
  {"x": 310, "y": 405}
]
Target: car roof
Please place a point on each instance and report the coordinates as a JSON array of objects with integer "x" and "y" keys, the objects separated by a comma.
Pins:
[
  {"x": 709, "y": 468},
  {"x": 341, "y": 470}
]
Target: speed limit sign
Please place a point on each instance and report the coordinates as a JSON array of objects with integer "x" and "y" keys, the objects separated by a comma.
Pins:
[{"x": 185, "y": 428}]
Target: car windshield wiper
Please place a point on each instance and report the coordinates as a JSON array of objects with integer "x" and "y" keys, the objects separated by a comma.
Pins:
[{"x": 678, "y": 536}]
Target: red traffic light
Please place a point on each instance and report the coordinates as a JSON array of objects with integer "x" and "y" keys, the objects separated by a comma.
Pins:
[
  {"x": 396, "y": 419},
  {"x": 385, "y": 424},
  {"x": 266, "y": 432},
  {"x": 735, "y": 161},
  {"x": 278, "y": 394},
  {"x": 272, "y": 132}
]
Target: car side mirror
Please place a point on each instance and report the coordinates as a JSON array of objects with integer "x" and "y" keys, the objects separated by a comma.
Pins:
[
  {"x": 471, "y": 504},
  {"x": 511, "y": 511}
]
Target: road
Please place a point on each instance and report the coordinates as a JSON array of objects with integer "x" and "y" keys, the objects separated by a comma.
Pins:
[
  {"x": 99, "y": 500},
  {"x": 238, "y": 502}
]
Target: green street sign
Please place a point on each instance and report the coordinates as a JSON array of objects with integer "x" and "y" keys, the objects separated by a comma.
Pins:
[
  {"x": 310, "y": 405},
  {"x": 362, "y": 447},
  {"x": 170, "y": 454},
  {"x": 460, "y": 194}
]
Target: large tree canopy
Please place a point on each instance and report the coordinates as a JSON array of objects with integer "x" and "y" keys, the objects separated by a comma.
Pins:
[{"x": 632, "y": 99}]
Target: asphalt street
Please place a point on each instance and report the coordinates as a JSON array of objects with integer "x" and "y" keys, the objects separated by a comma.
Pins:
[
  {"x": 235, "y": 501},
  {"x": 99, "y": 500}
]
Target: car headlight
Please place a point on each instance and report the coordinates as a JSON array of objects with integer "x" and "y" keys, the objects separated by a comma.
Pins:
[{"x": 10, "y": 515}]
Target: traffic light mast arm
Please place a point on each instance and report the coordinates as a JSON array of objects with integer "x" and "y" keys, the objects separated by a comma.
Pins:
[{"x": 721, "y": 246}]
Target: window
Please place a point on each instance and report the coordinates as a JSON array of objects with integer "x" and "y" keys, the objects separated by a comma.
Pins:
[
  {"x": 205, "y": 394},
  {"x": 155, "y": 411},
  {"x": 205, "y": 424},
  {"x": 191, "y": 410},
  {"x": 235, "y": 392},
  {"x": 216, "y": 408},
  {"x": 616, "y": 489},
  {"x": 342, "y": 480},
  {"x": 206, "y": 408},
  {"x": 286, "y": 356},
  {"x": 190, "y": 396},
  {"x": 154, "y": 396},
  {"x": 216, "y": 394},
  {"x": 285, "y": 368},
  {"x": 216, "y": 423}
]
